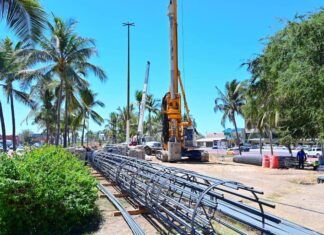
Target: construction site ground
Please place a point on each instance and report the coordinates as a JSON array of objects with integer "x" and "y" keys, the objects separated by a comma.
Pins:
[{"x": 296, "y": 194}]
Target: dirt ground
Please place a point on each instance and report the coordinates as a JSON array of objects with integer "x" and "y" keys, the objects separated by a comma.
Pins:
[{"x": 295, "y": 193}]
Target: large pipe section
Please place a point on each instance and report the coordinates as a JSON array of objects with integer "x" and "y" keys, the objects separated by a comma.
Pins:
[{"x": 191, "y": 203}]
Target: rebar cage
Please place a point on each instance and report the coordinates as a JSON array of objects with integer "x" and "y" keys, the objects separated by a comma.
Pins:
[{"x": 191, "y": 203}]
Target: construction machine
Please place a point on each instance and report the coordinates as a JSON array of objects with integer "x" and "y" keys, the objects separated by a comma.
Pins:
[{"x": 178, "y": 135}]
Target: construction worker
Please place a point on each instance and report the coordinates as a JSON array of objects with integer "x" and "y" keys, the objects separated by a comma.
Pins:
[{"x": 301, "y": 157}]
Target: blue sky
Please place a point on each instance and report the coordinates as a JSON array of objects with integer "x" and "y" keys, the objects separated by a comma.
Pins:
[{"x": 216, "y": 36}]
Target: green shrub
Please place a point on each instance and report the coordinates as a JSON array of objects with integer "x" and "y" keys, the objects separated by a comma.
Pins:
[{"x": 45, "y": 191}]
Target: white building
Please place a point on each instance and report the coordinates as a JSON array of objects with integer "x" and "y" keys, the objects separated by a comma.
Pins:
[{"x": 213, "y": 140}]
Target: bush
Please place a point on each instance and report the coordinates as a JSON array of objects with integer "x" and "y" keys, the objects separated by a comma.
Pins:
[{"x": 46, "y": 191}]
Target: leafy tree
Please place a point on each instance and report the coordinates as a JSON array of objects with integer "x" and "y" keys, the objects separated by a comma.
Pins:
[{"x": 290, "y": 74}]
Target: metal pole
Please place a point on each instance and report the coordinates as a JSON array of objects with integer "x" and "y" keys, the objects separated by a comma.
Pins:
[{"x": 128, "y": 25}]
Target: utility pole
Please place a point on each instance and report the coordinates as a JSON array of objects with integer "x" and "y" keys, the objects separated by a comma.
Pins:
[{"x": 128, "y": 25}]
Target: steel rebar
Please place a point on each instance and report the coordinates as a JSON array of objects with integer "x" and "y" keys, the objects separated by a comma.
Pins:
[{"x": 191, "y": 203}]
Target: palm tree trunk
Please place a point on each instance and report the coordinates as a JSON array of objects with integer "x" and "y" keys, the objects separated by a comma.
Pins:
[
  {"x": 237, "y": 135},
  {"x": 260, "y": 143},
  {"x": 66, "y": 120},
  {"x": 270, "y": 139},
  {"x": 68, "y": 137},
  {"x": 47, "y": 132},
  {"x": 150, "y": 126},
  {"x": 3, "y": 128},
  {"x": 58, "y": 118},
  {"x": 82, "y": 136},
  {"x": 13, "y": 119}
]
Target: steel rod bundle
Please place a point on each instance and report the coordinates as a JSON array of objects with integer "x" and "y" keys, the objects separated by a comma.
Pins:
[
  {"x": 191, "y": 203},
  {"x": 136, "y": 229}
]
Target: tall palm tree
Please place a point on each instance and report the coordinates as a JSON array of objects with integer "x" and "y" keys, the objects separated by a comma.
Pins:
[
  {"x": 230, "y": 103},
  {"x": 3, "y": 129},
  {"x": 153, "y": 106},
  {"x": 89, "y": 102},
  {"x": 25, "y": 17},
  {"x": 66, "y": 55},
  {"x": 9, "y": 75}
]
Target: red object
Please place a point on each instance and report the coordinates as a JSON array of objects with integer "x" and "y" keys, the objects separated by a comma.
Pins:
[
  {"x": 274, "y": 162},
  {"x": 266, "y": 161}
]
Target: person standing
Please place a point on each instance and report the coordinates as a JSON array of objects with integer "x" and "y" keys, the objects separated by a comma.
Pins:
[{"x": 301, "y": 157}]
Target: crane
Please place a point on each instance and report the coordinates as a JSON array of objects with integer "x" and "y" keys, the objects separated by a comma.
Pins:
[
  {"x": 178, "y": 135},
  {"x": 142, "y": 107}
]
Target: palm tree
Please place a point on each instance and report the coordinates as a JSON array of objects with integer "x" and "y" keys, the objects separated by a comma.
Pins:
[
  {"x": 26, "y": 18},
  {"x": 66, "y": 55},
  {"x": 89, "y": 102},
  {"x": 112, "y": 125},
  {"x": 138, "y": 98},
  {"x": 153, "y": 106},
  {"x": 230, "y": 103},
  {"x": 121, "y": 125},
  {"x": 10, "y": 74},
  {"x": 3, "y": 129}
]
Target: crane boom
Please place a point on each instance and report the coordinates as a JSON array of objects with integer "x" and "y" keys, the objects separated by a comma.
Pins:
[{"x": 140, "y": 131}]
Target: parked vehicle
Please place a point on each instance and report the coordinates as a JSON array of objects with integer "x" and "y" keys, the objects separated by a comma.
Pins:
[
  {"x": 314, "y": 152},
  {"x": 151, "y": 147},
  {"x": 232, "y": 151},
  {"x": 245, "y": 148}
]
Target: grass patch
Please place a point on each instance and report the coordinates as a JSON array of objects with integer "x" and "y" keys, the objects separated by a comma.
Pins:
[{"x": 306, "y": 180}]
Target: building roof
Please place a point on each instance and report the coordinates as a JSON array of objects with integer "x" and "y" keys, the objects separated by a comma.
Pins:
[
  {"x": 210, "y": 137},
  {"x": 231, "y": 130},
  {"x": 215, "y": 135}
]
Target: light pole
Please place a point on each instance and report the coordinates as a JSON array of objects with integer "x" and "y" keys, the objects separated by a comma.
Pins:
[{"x": 128, "y": 25}]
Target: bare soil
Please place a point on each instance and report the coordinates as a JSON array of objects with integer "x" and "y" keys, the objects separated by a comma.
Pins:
[{"x": 297, "y": 195}]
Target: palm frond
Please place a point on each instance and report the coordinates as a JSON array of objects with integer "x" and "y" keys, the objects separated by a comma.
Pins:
[{"x": 26, "y": 17}]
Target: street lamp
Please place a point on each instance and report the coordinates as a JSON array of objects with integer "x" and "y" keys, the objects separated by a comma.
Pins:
[{"x": 128, "y": 25}]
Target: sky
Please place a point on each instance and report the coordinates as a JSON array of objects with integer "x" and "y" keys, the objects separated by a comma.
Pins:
[{"x": 215, "y": 38}]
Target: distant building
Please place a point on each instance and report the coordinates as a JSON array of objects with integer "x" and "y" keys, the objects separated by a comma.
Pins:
[
  {"x": 213, "y": 140},
  {"x": 38, "y": 138},
  {"x": 252, "y": 136},
  {"x": 9, "y": 139},
  {"x": 230, "y": 134}
]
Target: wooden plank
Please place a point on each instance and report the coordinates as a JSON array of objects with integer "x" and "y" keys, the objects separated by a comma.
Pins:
[
  {"x": 138, "y": 211},
  {"x": 101, "y": 195},
  {"x": 117, "y": 195},
  {"x": 108, "y": 184},
  {"x": 100, "y": 178},
  {"x": 120, "y": 195}
]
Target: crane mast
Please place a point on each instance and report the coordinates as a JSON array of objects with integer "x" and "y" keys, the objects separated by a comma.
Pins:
[
  {"x": 173, "y": 16},
  {"x": 178, "y": 135},
  {"x": 142, "y": 107}
]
